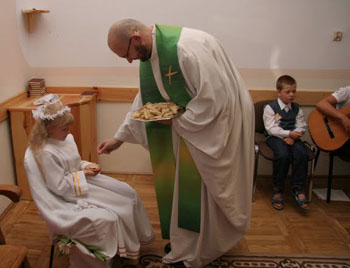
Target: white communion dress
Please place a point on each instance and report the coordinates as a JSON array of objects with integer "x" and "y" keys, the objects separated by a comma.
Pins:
[{"x": 97, "y": 211}]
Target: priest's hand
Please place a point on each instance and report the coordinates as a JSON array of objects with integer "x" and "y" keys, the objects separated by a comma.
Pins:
[
  {"x": 107, "y": 146},
  {"x": 167, "y": 122}
]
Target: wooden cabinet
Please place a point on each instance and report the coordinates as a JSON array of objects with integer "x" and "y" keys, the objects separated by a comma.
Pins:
[{"x": 83, "y": 129}]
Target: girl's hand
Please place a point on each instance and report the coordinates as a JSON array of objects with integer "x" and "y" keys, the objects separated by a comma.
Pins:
[{"x": 92, "y": 169}]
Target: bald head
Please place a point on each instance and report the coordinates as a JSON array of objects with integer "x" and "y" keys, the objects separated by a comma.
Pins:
[{"x": 121, "y": 31}]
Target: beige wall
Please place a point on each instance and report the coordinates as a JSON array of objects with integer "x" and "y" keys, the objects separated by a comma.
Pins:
[
  {"x": 129, "y": 157},
  {"x": 14, "y": 73},
  {"x": 263, "y": 34},
  {"x": 135, "y": 159}
]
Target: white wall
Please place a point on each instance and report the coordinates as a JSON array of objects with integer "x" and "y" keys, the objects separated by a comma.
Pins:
[
  {"x": 268, "y": 34},
  {"x": 263, "y": 38},
  {"x": 14, "y": 73},
  {"x": 131, "y": 158}
]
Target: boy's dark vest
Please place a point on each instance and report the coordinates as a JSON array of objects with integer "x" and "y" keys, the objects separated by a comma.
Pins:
[{"x": 287, "y": 120}]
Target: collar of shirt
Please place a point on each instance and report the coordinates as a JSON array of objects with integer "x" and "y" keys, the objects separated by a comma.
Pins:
[
  {"x": 154, "y": 44},
  {"x": 283, "y": 105}
]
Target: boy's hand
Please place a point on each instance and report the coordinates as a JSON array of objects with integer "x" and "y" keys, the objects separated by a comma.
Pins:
[
  {"x": 92, "y": 169},
  {"x": 295, "y": 135},
  {"x": 289, "y": 140}
]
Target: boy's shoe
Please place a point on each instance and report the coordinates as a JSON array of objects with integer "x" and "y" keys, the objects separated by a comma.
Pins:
[
  {"x": 277, "y": 202},
  {"x": 302, "y": 203}
]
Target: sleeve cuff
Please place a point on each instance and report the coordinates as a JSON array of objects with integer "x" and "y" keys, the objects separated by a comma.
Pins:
[
  {"x": 120, "y": 135},
  {"x": 285, "y": 133},
  {"x": 84, "y": 164},
  {"x": 80, "y": 185},
  {"x": 302, "y": 130}
]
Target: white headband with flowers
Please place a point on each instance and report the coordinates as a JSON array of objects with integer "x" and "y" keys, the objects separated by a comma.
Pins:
[{"x": 45, "y": 101}]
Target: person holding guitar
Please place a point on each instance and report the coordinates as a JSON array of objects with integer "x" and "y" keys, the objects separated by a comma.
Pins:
[
  {"x": 284, "y": 123},
  {"x": 337, "y": 107}
]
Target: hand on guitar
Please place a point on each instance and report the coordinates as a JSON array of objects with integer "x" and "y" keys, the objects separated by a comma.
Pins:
[{"x": 346, "y": 123}]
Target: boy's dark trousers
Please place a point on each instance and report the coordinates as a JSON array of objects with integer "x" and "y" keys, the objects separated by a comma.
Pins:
[{"x": 284, "y": 155}]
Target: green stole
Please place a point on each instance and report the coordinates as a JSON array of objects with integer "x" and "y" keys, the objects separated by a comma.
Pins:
[{"x": 160, "y": 138}]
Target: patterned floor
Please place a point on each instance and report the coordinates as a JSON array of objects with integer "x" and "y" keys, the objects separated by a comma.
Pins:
[{"x": 155, "y": 261}]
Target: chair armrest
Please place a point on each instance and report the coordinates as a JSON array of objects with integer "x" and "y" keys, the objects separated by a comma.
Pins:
[
  {"x": 313, "y": 148},
  {"x": 11, "y": 191},
  {"x": 307, "y": 143}
]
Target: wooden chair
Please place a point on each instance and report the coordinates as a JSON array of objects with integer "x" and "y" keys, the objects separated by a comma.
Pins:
[
  {"x": 261, "y": 147},
  {"x": 12, "y": 256}
]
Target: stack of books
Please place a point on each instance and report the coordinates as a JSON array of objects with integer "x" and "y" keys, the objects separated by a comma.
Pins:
[{"x": 36, "y": 87}]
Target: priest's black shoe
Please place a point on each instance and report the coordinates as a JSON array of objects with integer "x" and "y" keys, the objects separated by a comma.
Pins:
[{"x": 167, "y": 248}]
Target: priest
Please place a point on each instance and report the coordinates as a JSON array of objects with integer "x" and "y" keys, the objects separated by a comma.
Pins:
[{"x": 202, "y": 160}]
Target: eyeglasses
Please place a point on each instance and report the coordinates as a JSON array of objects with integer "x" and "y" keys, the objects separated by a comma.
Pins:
[{"x": 127, "y": 52}]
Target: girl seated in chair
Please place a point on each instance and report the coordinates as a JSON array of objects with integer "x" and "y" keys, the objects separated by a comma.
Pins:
[{"x": 107, "y": 206}]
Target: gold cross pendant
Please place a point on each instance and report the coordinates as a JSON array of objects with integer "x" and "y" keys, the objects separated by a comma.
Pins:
[{"x": 170, "y": 74}]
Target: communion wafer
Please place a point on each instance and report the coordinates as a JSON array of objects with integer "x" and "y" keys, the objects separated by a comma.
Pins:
[
  {"x": 156, "y": 111},
  {"x": 94, "y": 166}
]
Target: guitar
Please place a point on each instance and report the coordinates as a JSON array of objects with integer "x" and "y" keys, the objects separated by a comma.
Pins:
[{"x": 328, "y": 133}]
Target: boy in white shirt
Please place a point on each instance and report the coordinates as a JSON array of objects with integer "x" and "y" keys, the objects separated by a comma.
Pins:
[{"x": 284, "y": 123}]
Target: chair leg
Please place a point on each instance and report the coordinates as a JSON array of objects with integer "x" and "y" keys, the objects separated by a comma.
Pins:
[
  {"x": 255, "y": 172},
  {"x": 317, "y": 155},
  {"x": 330, "y": 176},
  {"x": 313, "y": 164},
  {"x": 52, "y": 251},
  {"x": 310, "y": 179}
]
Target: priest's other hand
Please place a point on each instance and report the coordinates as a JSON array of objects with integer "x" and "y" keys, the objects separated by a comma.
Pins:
[
  {"x": 167, "y": 122},
  {"x": 107, "y": 146}
]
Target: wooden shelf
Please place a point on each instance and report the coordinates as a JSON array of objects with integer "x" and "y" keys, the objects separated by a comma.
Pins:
[{"x": 30, "y": 16}]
